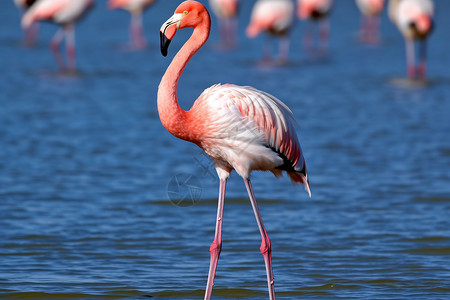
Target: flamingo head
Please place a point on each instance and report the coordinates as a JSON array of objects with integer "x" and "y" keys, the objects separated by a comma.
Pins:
[{"x": 187, "y": 14}]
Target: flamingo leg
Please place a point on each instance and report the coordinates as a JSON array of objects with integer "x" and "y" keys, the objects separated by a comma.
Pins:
[
  {"x": 308, "y": 36},
  {"x": 265, "y": 248},
  {"x": 216, "y": 245},
  {"x": 422, "y": 68},
  {"x": 70, "y": 48},
  {"x": 268, "y": 49},
  {"x": 31, "y": 34},
  {"x": 136, "y": 30},
  {"x": 324, "y": 34},
  {"x": 364, "y": 28},
  {"x": 410, "y": 59},
  {"x": 54, "y": 46},
  {"x": 283, "y": 54}
]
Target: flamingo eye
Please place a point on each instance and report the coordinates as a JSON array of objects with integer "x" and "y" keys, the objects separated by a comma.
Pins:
[{"x": 185, "y": 12}]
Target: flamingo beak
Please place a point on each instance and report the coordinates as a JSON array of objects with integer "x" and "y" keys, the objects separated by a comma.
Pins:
[
  {"x": 168, "y": 31},
  {"x": 165, "y": 42}
]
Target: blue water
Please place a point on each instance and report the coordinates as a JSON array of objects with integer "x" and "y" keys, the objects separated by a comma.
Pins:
[{"x": 88, "y": 207}]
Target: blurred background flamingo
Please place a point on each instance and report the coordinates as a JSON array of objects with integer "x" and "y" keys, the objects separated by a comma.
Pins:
[
  {"x": 370, "y": 20},
  {"x": 274, "y": 17},
  {"x": 315, "y": 12},
  {"x": 226, "y": 13},
  {"x": 414, "y": 19},
  {"x": 136, "y": 9},
  {"x": 64, "y": 13},
  {"x": 32, "y": 31}
]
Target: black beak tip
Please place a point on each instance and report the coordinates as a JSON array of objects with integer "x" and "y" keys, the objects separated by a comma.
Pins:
[{"x": 165, "y": 42}]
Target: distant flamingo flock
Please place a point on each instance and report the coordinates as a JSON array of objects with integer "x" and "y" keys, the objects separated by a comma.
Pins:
[
  {"x": 240, "y": 128},
  {"x": 275, "y": 18}
]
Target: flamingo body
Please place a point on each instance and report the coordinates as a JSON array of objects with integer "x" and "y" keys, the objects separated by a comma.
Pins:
[
  {"x": 414, "y": 19},
  {"x": 239, "y": 127},
  {"x": 275, "y": 17},
  {"x": 62, "y": 12},
  {"x": 370, "y": 21},
  {"x": 24, "y": 4},
  {"x": 272, "y": 16},
  {"x": 130, "y": 5},
  {"x": 313, "y": 9},
  {"x": 65, "y": 13},
  {"x": 224, "y": 9},
  {"x": 245, "y": 129},
  {"x": 226, "y": 12},
  {"x": 136, "y": 8},
  {"x": 370, "y": 8}
]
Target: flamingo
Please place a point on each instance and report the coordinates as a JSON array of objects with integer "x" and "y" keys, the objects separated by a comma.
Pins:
[
  {"x": 32, "y": 31},
  {"x": 316, "y": 11},
  {"x": 238, "y": 127},
  {"x": 414, "y": 19},
  {"x": 65, "y": 13},
  {"x": 370, "y": 22},
  {"x": 276, "y": 18},
  {"x": 226, "y": 13},
  {"x": 136, "y": 8}
]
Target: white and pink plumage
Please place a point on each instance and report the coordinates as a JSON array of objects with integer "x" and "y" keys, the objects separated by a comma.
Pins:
[
  {"x": 226, "y": 12},
  {"x": 414, "y": 19},
  {"x": 136, "y": 9},
  {"x": 276, "y": 18},
  {"x": 65, "y": 13},
  {"x": 239, "y": 127},
  {"x": 32, "y": 31},
  {"x": 370, "y": 19},
  {"x": 315, "y": 11}
]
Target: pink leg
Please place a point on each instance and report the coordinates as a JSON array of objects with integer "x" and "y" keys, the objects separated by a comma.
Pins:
[
  {"x": 308, "y": 36},
  {"x": 54, "y": 46},
  {"x": 136, "y": 31},
  {"x": 265, "y": 248},
  {"x": 324, "y": 34},
  {"x": 422, "y": 68},
  {"x": 363, "y": 31},
  {"x": 31, "y": 34},
  {"x": 283, "y": 54},
  {"x": 70, "y": 48},
  {"x": 268, "y": 49},
  {"x": 216, "y": 245},
  {"x": 410, "y": 59}
]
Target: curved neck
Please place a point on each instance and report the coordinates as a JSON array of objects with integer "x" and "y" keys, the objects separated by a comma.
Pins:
[{"x": 172, "y": 116}]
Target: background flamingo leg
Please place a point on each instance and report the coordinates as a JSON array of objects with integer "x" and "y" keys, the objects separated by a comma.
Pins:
[
  {"x": 265, "y": 248},
  {"x": 216, "y": 245},
  {"x": 54, "y": 46},
  {"x": 70, "y": 48},
  {"x": 283, "y": 53},
  {"x": 410, "y": 58},
  {"x": 308, "y": 36},
  {"x": 422, "y": 67},
  {"x": 324, "y": 34},
  {"x": 31, "y": 34},
  {"x": 136, "y": 31}
]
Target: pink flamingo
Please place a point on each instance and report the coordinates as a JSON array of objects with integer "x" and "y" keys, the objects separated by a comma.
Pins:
[
  {"x": 32, "y": 31},
  {"x": 226, "y": 13},
  {"x": 316, "y": 11},
  {"x": 370, "y": 19},
  {"x": 136, "y": 8},
  {"x": 275, "y": 17},
  {"x": 65, "y": 13},
  {"x": 240, "y": 128},
  {"x": 414, "y": 19}
]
